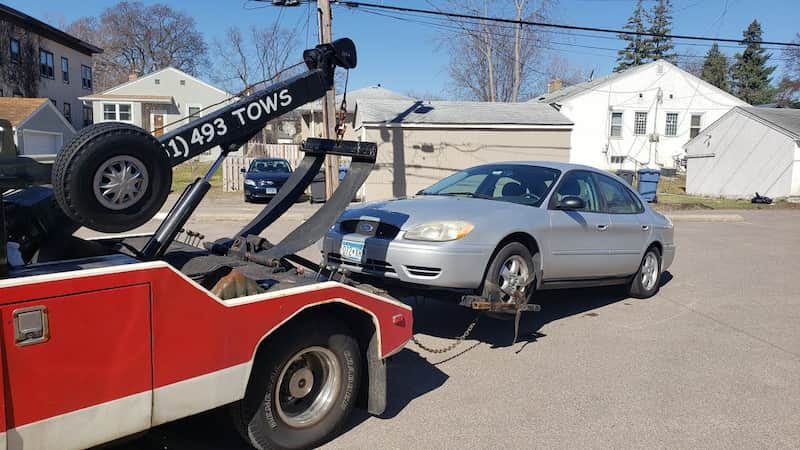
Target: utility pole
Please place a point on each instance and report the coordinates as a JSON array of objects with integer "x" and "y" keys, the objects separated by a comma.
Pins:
[{"x": 324, "y": 19}]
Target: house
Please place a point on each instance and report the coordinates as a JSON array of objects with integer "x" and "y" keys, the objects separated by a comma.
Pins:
[
  {"x": 311, "y": 113},
  {"x": 420, "y": 143},
  {"x": 158, "y": 102},
  {"x": 747, "y": 150},
  {"x": 638, "y": 117},
  {"x": 39, "y": 129},
  {"x": 45, "y": 63}
]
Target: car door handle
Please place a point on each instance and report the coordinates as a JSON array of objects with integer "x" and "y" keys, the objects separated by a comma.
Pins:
[
  {"x": 645, "y": 227},
  {"x": 602, "y": 227}
]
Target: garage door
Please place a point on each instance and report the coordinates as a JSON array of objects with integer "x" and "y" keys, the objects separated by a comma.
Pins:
[{"x": 40, "y": 143}]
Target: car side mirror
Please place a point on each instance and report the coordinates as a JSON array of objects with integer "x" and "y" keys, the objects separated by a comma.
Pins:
[
  {"x": 243, "y": 170},
  {"x": 570, "y": 203}
]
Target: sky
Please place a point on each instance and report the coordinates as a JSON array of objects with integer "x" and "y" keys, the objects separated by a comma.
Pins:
[{"x": 408, "y": 57}]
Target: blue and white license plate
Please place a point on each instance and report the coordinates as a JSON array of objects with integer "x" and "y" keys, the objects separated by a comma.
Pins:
[
  {"x": 271, "y": 190},
  {"x": 352, "y": 251}
]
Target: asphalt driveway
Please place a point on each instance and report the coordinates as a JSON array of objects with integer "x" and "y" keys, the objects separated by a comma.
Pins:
[{"x": 713, "y": 361}]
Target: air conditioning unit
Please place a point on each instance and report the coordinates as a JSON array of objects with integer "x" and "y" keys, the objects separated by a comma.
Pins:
[{"x": 654, "y": 137}]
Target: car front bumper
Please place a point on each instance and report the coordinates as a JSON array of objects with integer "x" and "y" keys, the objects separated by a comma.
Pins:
[
  {"x": 668, "y": 257},
  {"x": 454, "y": 264},
  {"x": 260, "y": 191}
]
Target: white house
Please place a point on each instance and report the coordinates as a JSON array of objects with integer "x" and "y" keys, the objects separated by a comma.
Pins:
[
  {"x": 39, "y": 128},
  {"x": 638, "y": 117},
  {"x": 158, "y": 102},
  {"x": 747, "y": 150}
]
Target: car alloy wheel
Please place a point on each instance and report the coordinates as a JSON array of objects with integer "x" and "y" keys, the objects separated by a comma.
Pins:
[
  {"x": 649, "y": 271},
  {"x": 513, "y": 278},
  {"x": 120, "y": 182}
]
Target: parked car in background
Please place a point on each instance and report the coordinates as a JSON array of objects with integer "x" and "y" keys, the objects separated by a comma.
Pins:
[
  {"x": 265, "y": 177},
  {"x": 506, "y": 229}
]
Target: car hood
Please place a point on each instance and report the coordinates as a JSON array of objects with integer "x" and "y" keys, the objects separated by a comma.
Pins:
[
  {"x": 406, "y": 213},
  {"x": 274, "y": 176}
]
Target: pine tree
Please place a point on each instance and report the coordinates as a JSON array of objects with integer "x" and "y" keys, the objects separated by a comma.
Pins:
[
  {"x": 639, "y": 48},
  {"x": 715, "y": 68},
  {"x": 661, "y": 46},
  {"x": 750, "y": 74}
]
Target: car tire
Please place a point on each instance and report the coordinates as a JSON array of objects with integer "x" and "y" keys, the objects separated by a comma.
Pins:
[
  {"x": 247, "y": 199},
  {"x": 89, "y": 163},
  {"x": 647, "y": 280},
  {"x": 302, "y": 390},
  {"x": 511, "y": 265}
]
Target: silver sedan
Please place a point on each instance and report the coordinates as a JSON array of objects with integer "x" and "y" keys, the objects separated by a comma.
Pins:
[{"x": 503, "y": 230}]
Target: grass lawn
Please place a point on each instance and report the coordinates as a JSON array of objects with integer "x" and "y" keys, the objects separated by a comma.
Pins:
[
  {"x": 187, "y": 172},
  {"x": 672, "y": 196}
]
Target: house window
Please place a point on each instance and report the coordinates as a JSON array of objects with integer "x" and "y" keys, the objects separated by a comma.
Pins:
[
  {"x": 119, "y": 112},
  {"x": 616, "y": 124},
  {"x": 671, "y": 129},
  {"x": 617, "y": 159},
  {"x": 46, "y": 69},
  {"x": 158, "y": 81},
  {"x": 68, "y": 112},
  {"x": 694, "y": 128},
  {"x": 193, "y": 111},
  {"x": 65, "y": 70},
  {"x": 88, "y": 116},
  {"x": 640, "y": 123},
  {"x": 14, "y": 51},
  {"x": 86, "y": 77}
]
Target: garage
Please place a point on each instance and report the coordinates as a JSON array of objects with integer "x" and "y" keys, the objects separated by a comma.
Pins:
[
  {"x": 420, "y": 143},
  {"x": 39, "y": 128}
]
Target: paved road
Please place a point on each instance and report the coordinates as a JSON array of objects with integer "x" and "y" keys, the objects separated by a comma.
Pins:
[{"x": 713, "y": 361}]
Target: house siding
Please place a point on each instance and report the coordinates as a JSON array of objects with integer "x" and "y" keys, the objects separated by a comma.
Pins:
[
  {"x": 639, "y": 91},
  {"x": 740, "y": 156},
  {"x": 59, "y": 91},
  {"x": 410, "y": 159}
]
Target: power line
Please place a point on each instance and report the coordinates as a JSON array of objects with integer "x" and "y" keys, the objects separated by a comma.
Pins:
[{"x": 355, "y": 4}]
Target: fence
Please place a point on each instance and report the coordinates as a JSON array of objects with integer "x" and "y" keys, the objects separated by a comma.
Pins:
[{"x": 232, "y": 177}]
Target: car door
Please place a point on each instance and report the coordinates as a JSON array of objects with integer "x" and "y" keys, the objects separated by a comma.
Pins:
[
  {"x": 628, "y": 231},
  {"x": 578, "y": 243}
]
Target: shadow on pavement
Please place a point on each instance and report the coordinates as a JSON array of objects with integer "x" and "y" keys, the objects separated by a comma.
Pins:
[{"x": 445, "y": 319}]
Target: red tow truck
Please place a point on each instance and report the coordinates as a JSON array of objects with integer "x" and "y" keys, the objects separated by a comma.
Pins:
[{"x": 106, "y": 338}]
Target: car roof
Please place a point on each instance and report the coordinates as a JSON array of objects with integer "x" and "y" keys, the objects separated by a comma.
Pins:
[
  {"x": 562, "y": 166},
  {"x": 269, "y": 159}
]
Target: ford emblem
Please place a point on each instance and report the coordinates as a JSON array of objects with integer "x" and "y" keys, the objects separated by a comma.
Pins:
[{"x": 366, "y": 227}]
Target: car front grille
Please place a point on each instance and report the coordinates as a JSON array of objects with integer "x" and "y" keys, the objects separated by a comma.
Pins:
[
  {"x": 370, "y": 228},
  {"x": 372, "y": 265},
  {"x": 420, "y": 271}
]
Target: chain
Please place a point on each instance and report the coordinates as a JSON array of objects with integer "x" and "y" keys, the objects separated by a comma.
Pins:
[{"x": 449, "y": 347}]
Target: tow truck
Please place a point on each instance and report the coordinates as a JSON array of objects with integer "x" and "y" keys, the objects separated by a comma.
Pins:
[{"x": 105, "y": 338}]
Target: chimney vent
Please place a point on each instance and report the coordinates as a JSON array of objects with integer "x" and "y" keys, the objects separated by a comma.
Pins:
[
  {"x": 554, "y": 85},
  {"x": 132, "y": 76}
]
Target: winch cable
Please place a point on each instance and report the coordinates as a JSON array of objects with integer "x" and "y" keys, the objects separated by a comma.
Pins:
[{"x": 451, "y": 346}]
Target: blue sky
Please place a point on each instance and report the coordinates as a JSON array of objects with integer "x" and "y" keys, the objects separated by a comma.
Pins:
[{"x": 407, "y": 57}]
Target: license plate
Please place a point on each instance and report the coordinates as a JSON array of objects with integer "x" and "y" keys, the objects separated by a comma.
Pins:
[
  {"x": 271, "y": 190},
  {"x": 352, "y": 251}
]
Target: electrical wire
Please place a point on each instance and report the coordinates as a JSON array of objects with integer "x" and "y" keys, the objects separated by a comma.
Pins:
[{"x": 357, "y": 4}]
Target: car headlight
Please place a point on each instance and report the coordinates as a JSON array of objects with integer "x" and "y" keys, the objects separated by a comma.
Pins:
[
  {"x": 249, "y": 182},
  {"x": 448, "y": 230}
]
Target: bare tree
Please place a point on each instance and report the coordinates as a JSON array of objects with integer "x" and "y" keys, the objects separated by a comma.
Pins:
[
  {"x": 259, "y": 54},
  {"x": 139, "y": 39},
  {"x": 490, "y": 61}
]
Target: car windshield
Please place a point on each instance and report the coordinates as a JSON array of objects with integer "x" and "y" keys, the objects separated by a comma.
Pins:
[
  {"x": 516, "y": 183},
  {"x": 270, "y": 166}
]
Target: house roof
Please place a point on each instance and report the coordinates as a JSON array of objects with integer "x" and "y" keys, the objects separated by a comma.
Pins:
[
  {"x": 784, "y": 120},
  {"x": 48, "y": 31},
  {"x": 16, "y": 110},
  {"x": 373, "y": 111},
  {"x": 370, "y": 92},
  {"x": 157, "y": 72},
  {"x": 576, "y": 89},
  {"x": 132, "y": 98}
]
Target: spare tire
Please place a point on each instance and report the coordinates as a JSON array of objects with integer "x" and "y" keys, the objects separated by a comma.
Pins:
[{"x": 112, "y": 177}]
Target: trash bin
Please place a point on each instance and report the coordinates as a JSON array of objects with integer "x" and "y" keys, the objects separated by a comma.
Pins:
[
  {"x": 318, "y": 187},
  {"x": 648, "y": 184},
  {"x": 627, "y": 175}
]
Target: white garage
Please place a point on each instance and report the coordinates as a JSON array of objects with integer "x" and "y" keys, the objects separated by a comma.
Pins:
[
  {"x": 747, "y": 150},
  {"x": 39, "y": 128}
]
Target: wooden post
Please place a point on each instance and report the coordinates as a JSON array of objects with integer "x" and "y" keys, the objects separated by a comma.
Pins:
[{"x": 329, "y": 101}]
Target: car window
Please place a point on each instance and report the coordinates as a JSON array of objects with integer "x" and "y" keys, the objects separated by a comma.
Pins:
[
  {"x": 270, "y": 166},
  {"x": 515, "y": 183},
  {"x": 579, "y": 184},
  {"x": 617, "y": 198}
]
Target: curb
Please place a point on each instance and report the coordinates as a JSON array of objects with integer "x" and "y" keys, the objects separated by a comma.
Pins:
[{"x": 705, "y": 217}]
